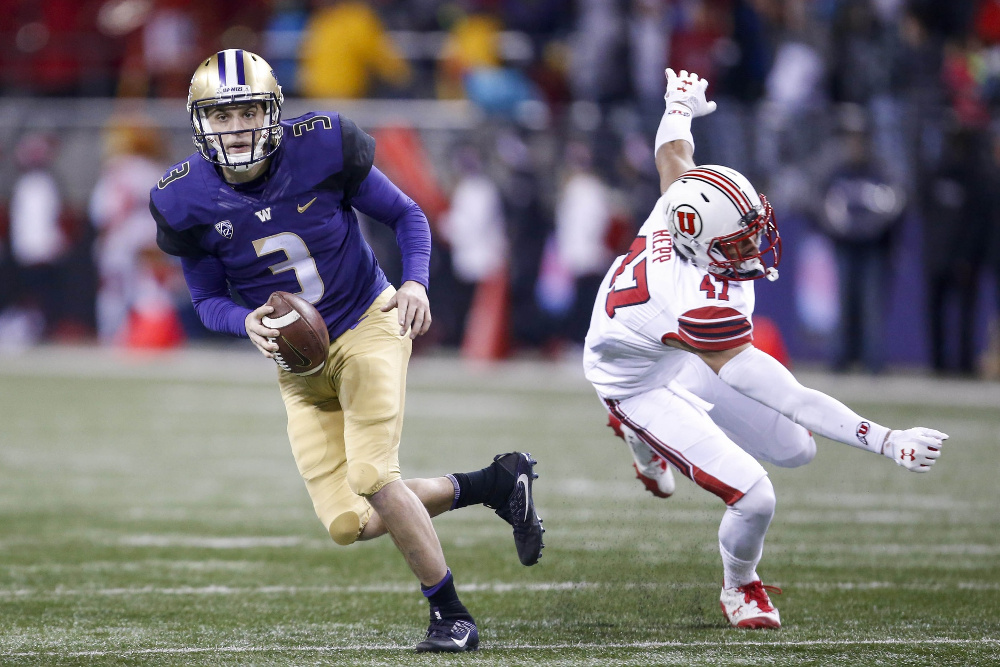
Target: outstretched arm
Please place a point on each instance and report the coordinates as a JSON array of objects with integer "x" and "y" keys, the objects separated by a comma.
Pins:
[
  {"x": 673, "y": 159},
  {"x": 674, "y": 146},
  {"x": 758, "y": 375}
]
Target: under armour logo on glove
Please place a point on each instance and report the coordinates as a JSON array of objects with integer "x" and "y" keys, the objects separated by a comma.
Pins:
[{"x": 915, "y": 449}]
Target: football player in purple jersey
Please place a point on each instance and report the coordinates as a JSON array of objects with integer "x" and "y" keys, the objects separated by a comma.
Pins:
[{"x": 267, "y": 204}]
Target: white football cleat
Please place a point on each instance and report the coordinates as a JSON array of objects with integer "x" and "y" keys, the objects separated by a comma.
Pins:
[
  {"x": 749, "y": 607},
  {"x": 650, "y": 468},
  {"x": 659, "y": 480}
]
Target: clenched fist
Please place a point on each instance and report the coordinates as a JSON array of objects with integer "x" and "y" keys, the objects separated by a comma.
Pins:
[{"x": 916, "y": 449}]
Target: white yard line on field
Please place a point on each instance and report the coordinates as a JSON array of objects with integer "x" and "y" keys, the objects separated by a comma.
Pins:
[
  {"x": 499, "y": 587},
  {"x": 211, "y": 542},
  {"x": 490, "y": 587},
  {"x": 985, "y": 641}
]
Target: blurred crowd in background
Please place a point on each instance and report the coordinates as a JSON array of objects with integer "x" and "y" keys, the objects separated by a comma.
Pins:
[{"x": 871, "y": 125}]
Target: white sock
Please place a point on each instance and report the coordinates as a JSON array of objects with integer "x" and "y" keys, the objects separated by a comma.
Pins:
[
  {"x": 742, "y": 531},
  {"x": 737, "y": 572}
]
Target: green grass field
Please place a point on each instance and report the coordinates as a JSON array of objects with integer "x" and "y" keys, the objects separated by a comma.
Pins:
[{"x": 151, "y": 513}]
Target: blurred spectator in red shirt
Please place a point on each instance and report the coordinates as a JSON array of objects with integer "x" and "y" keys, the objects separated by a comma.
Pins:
[
  {"x": 52, "y": 49},
  {"x": 119, "y": 211},
  {"x": 166, "y": 38}
]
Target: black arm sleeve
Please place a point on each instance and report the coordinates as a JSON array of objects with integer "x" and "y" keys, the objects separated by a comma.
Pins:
[
  {"x": 173, "y": 242},
  {"x": 359, "y": 155}
]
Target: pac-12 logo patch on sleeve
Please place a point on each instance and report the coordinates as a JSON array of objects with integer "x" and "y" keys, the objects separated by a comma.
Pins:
[
  {"x": 225, "y": 228},
  {"x": 862, "y": 432}
]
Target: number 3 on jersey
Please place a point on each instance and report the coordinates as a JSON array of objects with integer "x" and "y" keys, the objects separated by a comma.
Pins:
[
  {"x": 629, "y": 290},
  {"x": 299, "y": 261}
]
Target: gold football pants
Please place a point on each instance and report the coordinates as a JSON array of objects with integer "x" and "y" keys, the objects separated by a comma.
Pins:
[{"x": 344, "y": 422}]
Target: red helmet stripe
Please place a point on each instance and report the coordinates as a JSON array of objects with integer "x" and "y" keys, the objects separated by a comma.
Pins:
[
  {"x": 718, "y": 186},
  {"x": 733, "y": 185},
  {"x": 725, "y": 184}
]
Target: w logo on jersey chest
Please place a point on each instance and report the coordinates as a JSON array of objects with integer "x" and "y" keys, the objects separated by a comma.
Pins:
[{"x": 264, "y": 214}]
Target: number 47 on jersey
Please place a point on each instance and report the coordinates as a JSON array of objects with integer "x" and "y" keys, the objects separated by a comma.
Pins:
[
  {"x": 629, "y": 286},
  {"x": 632, "y": 289}
]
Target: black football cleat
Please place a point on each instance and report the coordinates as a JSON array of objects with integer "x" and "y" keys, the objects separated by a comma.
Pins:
[
  {"x": 449, "y": 635},
  {"x": 519, "y": 508}
]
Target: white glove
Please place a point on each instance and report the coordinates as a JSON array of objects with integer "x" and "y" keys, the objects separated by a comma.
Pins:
[
  {"x": 916, "y": 449},
  {"x": 688, "y": 89}
]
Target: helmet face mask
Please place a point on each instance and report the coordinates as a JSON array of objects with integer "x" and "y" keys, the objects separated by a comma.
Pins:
[
  {"x": 232, "y": 80},
  {"x": 720, "y": 224},
  {"x": 744, "y": 254}
]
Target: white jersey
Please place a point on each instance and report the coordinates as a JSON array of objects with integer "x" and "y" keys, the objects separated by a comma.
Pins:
[{"x": 652, "y": 295}]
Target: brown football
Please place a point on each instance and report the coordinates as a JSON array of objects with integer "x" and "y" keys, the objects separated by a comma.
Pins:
[{"x": 304, "y": 339}]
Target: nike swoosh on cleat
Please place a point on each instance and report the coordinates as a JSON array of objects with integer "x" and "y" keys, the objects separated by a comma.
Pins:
[
  {"x": 522, "y": 479},
  {"x": 461, "y": 643},
  {"x": 302, "y": 209}
]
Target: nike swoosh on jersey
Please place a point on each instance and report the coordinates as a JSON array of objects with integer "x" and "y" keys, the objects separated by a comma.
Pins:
[
  {"x": 522, "y": 479},
  {"x": 302, "y": 209},
  {"x": 461, "y": 643}
]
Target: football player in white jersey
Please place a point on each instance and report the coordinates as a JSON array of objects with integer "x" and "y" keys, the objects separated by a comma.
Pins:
[{"x": 670, "y": 352}]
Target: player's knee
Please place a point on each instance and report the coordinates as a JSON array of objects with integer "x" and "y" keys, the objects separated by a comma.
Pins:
[
  {"x": 758, "y": 502},
  {"x": 346, "y": 528},
  {"x": 364, "y": 478}
]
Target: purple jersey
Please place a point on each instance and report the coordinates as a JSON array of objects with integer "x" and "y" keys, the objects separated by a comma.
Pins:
[{"x": 293, "y": 229}]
